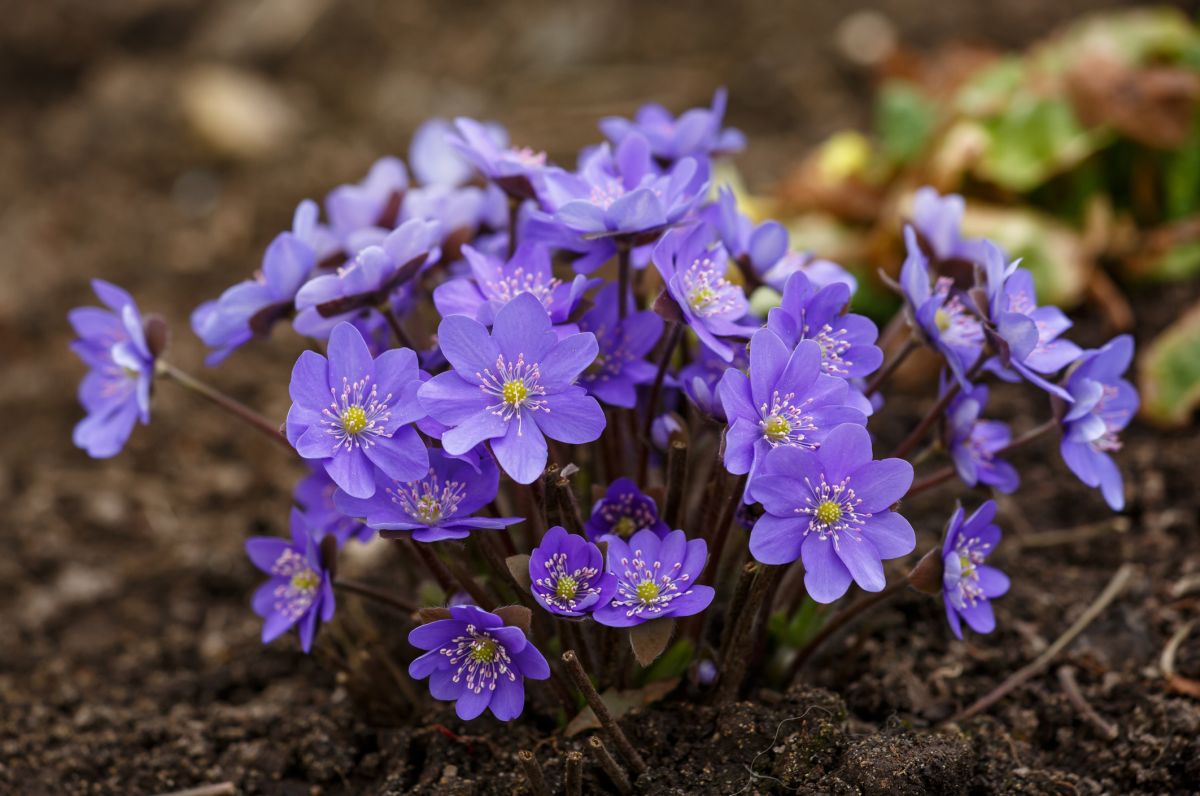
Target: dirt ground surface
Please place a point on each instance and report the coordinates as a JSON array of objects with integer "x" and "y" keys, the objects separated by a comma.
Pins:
[{"x": 129, "y": 658}]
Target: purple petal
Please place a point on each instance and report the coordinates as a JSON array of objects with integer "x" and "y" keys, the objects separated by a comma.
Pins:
[
  {"x": 349, "y": 358},
  {"x": 467, "y": 346},
  {"x": 825, "y": 576},
  {"x": 568, "y": 358},
  {"x": 980, "y": 616},
  {"x": 483, "y": 425},
  {"x": 862, "y": 559},
  {"x": 844, "y": 450},
  {"x": 778, "y": 540},
  {"x": 879, "y": 484},
  {"x": 891, "y": 534},
  {"x": 521, "y": 452},
  {"x": 508, "y": 700},
  {"x": 351, "y": 471},
  {"x": 403, "y": 456},
  {"x": 993, "y": 582},
  {"x": 572, "y": 417}
]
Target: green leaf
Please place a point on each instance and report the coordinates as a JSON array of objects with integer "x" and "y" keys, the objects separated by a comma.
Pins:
[
  {"x": 1169, "y": 372},
  {"x": 797, "y": 630},
  {"x": 1181, "y": 176},
  {"x": 671, "y": 664},
  {"x": 1032, "y": 139},
  {"x": 904, "y": 120}
]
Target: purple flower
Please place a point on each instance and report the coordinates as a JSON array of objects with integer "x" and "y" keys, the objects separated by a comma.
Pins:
[
  {"x": 362, "y": 214},
  {"x": 937, "y": 220},
  {"x": 974, "y": 443},
  {"x": 1104, "y": 405},
  {"x": 621, "y": 365},
  {"x": 968, "y": 584},
  {"x": 494, "y": 283},
  {"x": 313, "y": 496},
  {"x": 352, "y": 411},
  {"x": 623, "y": 511},
  {"x": 656, "y": 578},
  {"x": 756, "y": 248},
  {"x": 622, "y": 193},
  {"x": 516, "y": 171},
  {"x": 568, "y": 574},
  {"x": 942, "y": 316},
  {"x": 1032, "y": 333},
  {"x": 459, "y": 211},
  {"x": 300, "y": 591},
  {"x": 249, "y": 309},
  {"x": 832, "y": 507},
  {"x": 477, "y": 661},
  {"x": 847, "y": 341},
  {"x": 438, "y": 505},
  {"x": 115, "y": 393},
  {"x": 786, "y": 400},
  {"x": 693, "y": 271},
  {"x": 512, "y": 386},
  {"x": 696, "y": 133},
  {"x": 435, "y": 160},
  {"x": 368, "y": 280}
]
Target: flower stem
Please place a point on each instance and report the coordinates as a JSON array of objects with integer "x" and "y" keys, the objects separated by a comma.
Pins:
[
  {"x": 884, "y": 373},
  {"x": 611, "y": 728},
  {"x": 664, "y": 361},
  {"x": 371, "y": 593},
  {"x": 1029, "y": 436},
  {"x": 736, "y": 655},
  {"x": 610, "y": 765},
  {"x": 397, "y": 329},
  {"x": 677, "y": 468},
  {"x": 839, "y": 621},
  {"x": 514, "y": 217},
  {"x": 623, "y": 267},
  {"x": 533, "y": 773},
  {"x": 931, "y": 417},
  {"x": 930, "y": 481},
  {"x": 230, "y": 405}
]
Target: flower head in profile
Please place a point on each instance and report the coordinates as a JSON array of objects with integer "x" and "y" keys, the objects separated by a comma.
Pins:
[
  {"x": 756, "y": 248},
  {"x": 693, "y": 270},
  {"x": 937, "y": 220},
  {"x": 833, "y": 508},
  {"x": 495, "y": 282},
  {"x": 1104, "y": 403},
  {"x": 975, "y": 443},
  {"x": 620, "y": 366},
  {"x": 622, "y": 193},
  {"x": 249, "y": 309},
  {"x": 568, "y": 576},
  {"x": 313, "y": 496},
  {"x": 968, "y": 584},
  {"x": 353, "y": 412},
  {"x": 476, "y": 661},
  {"x": 656, "y": 578},
  {"x": 623, "y": 511},
  {"x": 513, "y": 387},
  {"x": 300, "y": 591},
  {"x": 362, "y": 214},
  {"x": 701, "y": 377},
  {"x": 115, "y": 393},
  {"x": 785, "y": 400},
  {"x": 441, "y": 504},
  {"x": 368, "y": 280},
  {"x": 516, "y": 170},
  {"x": 943, "y": 316},
  {"x": 695, "y": 133},
  {"x": 820, "y": 272}
]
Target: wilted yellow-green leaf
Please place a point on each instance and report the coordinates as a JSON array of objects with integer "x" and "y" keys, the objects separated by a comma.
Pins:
[
  {"x": 1032, "y": 139},
  {"x": 1169, "y": 372}
]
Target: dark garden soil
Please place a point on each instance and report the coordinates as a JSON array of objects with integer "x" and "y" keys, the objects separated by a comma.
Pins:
[{"x": 129, "y": 658}]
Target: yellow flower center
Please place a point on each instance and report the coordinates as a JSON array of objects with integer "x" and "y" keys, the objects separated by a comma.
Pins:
[
  {"x": 429, "y": 508},
  {"x": 776, "y": 428},
  {"x": 514, "y": 392},
  {"x": 647, "y": 591},
  {"x": 624, "y": 527},
  {"x": 354, "y": 419},
  {"x": 941, "y": 319},
  {"x": 566, "y": 588},
  {"x": 701, "y": 297},
  {"x": 483, "y": 650},
  {"x": 967, "y": 566},
  {"x": 306, "y": 580},
  {"x": 829, "y": 512}
]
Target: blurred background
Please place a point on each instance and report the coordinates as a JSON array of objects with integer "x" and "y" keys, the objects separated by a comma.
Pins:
[{"x": 160, "y": 144}]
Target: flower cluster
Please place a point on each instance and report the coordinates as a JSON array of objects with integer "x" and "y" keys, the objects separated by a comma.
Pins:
[{"x": 489, "y": 342}]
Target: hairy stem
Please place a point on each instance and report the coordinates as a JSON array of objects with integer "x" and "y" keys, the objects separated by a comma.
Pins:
[
  {"x": 884, "y": 373},
  {"x": 674, "y": 336},
  {"x": 230, "y": 405},
  {"x": 371, "y": 593},
  {"x": 607, "y": 721}
]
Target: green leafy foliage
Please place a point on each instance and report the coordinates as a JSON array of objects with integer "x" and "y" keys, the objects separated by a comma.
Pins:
[{"x": 1169, "y": 372}]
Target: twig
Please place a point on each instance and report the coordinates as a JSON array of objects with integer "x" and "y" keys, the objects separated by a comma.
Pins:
[
  {"x": 610, "y": 765},
  {"x": 614, "y": 731},
  {"x": 1079, "y": 533},
  {"x": 1166, "y": 664},
  {"x": 371, "y": 593},
  {"x": 574, "y": 774},
  {"x": 1066, "y": 678},
  {"x": 1114, "y": 588},
  {"x": 533, "y": 773},
  {"x": 217, "y": 789}
]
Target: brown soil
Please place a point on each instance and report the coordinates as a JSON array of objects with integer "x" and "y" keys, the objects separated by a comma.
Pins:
[{"x": 129, "y": 658}]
